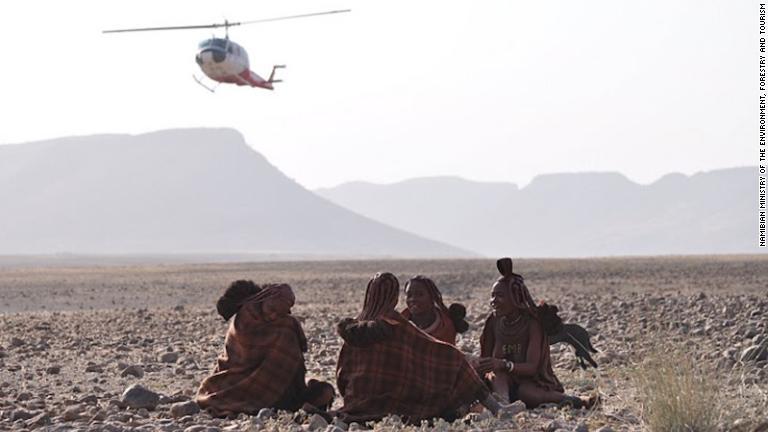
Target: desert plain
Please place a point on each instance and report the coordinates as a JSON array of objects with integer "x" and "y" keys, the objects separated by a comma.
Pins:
[{"x": 75, "y": 335}]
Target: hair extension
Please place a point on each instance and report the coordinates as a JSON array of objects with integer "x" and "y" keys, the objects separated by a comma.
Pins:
[{"x": 231, "y": 301}]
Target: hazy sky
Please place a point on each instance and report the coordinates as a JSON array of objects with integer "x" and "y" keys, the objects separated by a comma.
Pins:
[{"x": 487, "y": 90}]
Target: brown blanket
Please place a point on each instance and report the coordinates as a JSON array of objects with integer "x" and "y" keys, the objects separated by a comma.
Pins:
[
  {"x": 408, "y": 373},
  {"x": 262, "y": 366}
]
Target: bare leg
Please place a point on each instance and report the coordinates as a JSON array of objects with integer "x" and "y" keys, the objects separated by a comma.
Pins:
[
  {"x": 500, "y": 386},
  {"x": 491, "y": 403},
  {"x": 534, "y": 395}
]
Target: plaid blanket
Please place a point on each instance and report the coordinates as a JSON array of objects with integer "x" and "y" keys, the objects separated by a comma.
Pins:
[
  {"x": 409, "y": 373},
  {"x": 262, "y": 366}
]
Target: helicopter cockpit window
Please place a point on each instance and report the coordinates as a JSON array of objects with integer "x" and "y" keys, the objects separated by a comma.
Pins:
[
  {"x": 204, "y": 44},
  {"x": 220, "y": 43}
]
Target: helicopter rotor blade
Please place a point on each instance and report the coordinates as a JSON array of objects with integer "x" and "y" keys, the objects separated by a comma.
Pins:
[
  {"x": 171, "y": 28},
  {"x": 226, "y": 24},
  {"x": 294, "y": 16}
]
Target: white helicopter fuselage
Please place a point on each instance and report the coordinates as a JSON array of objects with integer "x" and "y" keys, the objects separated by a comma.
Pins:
[{"x": 225, "y": 61}]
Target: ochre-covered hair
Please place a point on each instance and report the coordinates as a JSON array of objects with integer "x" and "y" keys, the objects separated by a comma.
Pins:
[
  {"x": 380, "y": 296},
  {"x": 518, "y": 292},
  {"x": 456, "y": 311},
  {"x": 432, "y": 291}
]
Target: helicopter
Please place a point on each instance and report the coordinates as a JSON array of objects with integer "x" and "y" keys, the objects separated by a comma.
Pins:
[{"x": 225, "y": 61}]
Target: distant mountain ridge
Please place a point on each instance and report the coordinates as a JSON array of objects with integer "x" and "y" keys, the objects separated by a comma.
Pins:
[
  {"x": 570, "y": 215},
  {"x": 190, "y": 191}
]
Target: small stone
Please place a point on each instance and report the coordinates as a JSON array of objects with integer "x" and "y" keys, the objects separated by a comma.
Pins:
[
  {"x": 90, "y": 399},
  {"x": 340, "y": 424},
  {"x": 72, "y": 413},
  {"x": 553, "y": 426},
  {"x": 581, "y": 427},
  {"x": 182, "y": 409},
  {"x": 133, "y": 370},
  {"x": 23, "y": 396},
  {"x": 138, "y": 397},
  {"x": 21, "y": 414},
  {"x": 265, "y": 414},
  {"x": 511, "y": 410},
  {"x": 94, "y": 368},
  {"x": 16, "y": 342},
  {"x": 41, "y": 419},
  {"x": 317, "y": 422},
  {"x": 169, "y": 357},
  {"x": 143, "y": 413},
  {"x": 477, "y": 417},
  {"x": 333, "y": 428},
  {"x": 605, "y": 429},
  {"x": 53, "y": 370}
]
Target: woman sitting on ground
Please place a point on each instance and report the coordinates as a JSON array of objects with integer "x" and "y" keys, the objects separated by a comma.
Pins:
[
  {"x": 389, "y": 366},
  {"x": 514, "y": 345},
  {"x": 263, "y": 362},
  {"x": 427, "y": 310}
]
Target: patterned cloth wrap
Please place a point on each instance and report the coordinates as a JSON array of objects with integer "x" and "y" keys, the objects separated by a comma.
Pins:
[
  {"x": 406, "y": 372},
  {"x": 263, "y": 362}
]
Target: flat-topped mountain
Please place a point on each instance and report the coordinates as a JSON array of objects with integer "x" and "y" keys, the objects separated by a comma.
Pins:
[
  {"x": 585, "y": 214},
  {"x": 192, "y": 191}
]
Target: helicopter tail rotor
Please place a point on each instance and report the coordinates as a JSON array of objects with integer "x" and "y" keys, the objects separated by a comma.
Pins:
[{"x": 272, "y": 75}]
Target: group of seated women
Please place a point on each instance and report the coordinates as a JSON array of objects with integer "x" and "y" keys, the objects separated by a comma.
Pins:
[{"x": 402, "y": 363}]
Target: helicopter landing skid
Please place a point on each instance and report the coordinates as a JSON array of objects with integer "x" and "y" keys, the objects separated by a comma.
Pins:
[{"x": 200, "y": 81}]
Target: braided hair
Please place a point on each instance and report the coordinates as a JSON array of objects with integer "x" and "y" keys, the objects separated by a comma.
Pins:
[
  {"x": 520, "y": 296},
  {"x": 381, "y": 296},
  {"x": 456, "y": 311}
]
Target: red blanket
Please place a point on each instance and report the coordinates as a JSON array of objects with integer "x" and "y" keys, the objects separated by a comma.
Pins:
[
  {"x": 408, "y": 373},
  {"x": 262, "y": 366}
]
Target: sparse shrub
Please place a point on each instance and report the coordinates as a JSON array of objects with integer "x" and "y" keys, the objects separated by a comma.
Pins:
[{"x": 678, "y": 393}]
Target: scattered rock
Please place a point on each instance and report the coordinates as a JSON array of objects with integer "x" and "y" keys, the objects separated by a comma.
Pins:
[
  {"x": 22, "y": 414},
  {"x": 53, "y": 370},
  {"x": 72, "y": 413},
  {"x": 134, "y": 370},
  {"x": 581, "y": 427},
  {"x": 94, "y": 368},
  {"x": 511, "y": 410},
  {"x": 137, "y": 397},
  {"x": 182, "y": 409},
  {"x": 42, "y": 419},
  {"x": 16, "y": 342},
  {"x": 553, "y": 426},
  {"x": 265, "y": 414},
  {"x": 317, "y": 422},
  {"x": 477, "y": 417},
  {"x": 169, "y": 357},
  {"x": 605, "y": 429}
]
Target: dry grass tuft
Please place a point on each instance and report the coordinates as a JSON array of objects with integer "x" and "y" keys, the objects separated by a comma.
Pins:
[{"x": 678, "y": 394}]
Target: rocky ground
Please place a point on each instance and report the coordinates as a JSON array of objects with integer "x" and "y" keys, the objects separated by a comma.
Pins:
[{"x": 124, "y": 348}]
